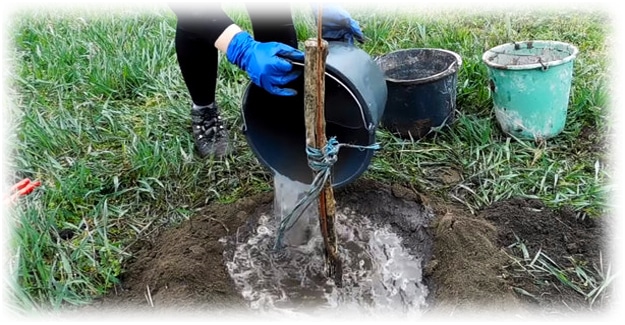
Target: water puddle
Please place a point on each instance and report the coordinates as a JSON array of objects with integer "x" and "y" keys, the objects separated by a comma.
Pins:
[{"x": 379, "y": 274}]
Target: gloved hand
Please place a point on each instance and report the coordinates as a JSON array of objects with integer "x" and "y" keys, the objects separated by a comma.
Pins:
[
  {"x": 265, "y": 63},
  {"x": 337, "y": 24}
]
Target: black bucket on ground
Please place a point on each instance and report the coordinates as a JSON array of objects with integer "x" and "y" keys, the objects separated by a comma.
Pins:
[
  {"x": 356, "y": 94},
  {"x": 421, "y": 90}
]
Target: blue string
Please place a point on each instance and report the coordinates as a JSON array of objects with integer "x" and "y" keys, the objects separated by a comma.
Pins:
[{"x": 321, "y": 162}]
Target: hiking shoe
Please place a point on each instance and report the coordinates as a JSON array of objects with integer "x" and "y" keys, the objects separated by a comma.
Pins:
[{"x": 209, "y": 134}]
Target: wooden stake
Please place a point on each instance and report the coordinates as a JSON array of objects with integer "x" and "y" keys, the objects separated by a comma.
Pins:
[{"x": 316, "y": 51}]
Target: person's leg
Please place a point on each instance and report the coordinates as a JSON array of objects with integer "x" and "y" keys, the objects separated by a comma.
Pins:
[
  {"x": 272, "y": 22},
  {"x": 198, "y": 62},
  {"x": 198, "y": 65}
]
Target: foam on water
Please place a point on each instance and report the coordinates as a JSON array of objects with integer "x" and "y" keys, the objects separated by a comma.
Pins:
[{"x": 379, "y": 274}]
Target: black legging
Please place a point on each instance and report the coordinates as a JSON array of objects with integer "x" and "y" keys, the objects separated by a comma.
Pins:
[{"x": 199, "y": 27}]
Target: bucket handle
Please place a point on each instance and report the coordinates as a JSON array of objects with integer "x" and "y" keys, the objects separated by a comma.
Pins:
[
  {"x": 362, "y": 113},
  {"x": 435, "y": 76},
  {"x": 442, "y": 73}
]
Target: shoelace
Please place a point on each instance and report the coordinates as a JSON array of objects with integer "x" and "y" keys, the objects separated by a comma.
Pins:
[{"x": 212, "y": 126}]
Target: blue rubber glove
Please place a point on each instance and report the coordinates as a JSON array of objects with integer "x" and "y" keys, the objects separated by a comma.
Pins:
[
  {"x": 337, "y": 24},
  {"x": 265, "y": 63}
]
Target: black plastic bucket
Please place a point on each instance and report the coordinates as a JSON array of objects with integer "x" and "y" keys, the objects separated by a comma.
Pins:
[
  {"x": 421, "y": 90},
  {"x": 356, "y": 94}
]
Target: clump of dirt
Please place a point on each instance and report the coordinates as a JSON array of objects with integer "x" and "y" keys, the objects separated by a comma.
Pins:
[
  {"x": 468, "y": 265},
  {"x": 468, "y": 258}
]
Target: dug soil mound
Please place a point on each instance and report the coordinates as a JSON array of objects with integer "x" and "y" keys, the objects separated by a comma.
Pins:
[{"x": 473, "y": 263}]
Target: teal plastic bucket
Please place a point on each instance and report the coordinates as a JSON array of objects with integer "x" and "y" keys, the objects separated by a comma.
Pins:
[{"x": 530, "y": 83}]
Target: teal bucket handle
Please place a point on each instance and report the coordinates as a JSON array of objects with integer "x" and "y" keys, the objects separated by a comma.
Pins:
[{"x": 503, "y": 56}]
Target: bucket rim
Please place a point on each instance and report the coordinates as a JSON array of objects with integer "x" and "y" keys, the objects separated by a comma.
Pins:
[
  {"x": 452, "y": 68},
  {"x": 343, "y": 81},
  {"x": 491, "y": 53}
]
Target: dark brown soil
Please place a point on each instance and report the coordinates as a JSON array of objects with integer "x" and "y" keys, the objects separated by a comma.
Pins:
[{"x": 470, "y": 267}]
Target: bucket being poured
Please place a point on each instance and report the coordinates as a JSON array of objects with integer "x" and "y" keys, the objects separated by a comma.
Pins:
[
  {"x": 355, "y": 91},
  {"x": 530, "y": 83},
  {"x": 421, "y": 90}
]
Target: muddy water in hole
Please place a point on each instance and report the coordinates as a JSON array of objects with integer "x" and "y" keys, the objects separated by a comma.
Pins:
[{"x": 379, "y": 274}]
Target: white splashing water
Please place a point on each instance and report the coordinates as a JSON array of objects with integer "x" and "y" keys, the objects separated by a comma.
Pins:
[{"x": 379, "y": 274}]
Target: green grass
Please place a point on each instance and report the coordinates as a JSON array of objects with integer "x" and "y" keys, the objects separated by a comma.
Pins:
[
  {"x": 590, "y": 281},
  {"x": 100, "y": 115}
]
